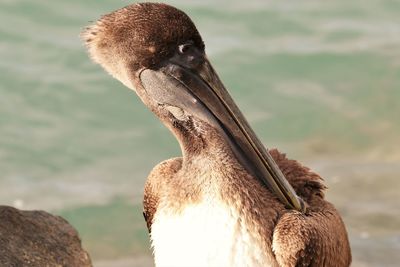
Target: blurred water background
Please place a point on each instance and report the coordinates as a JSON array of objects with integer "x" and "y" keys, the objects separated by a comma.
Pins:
[{"x": 320, "y": 80}]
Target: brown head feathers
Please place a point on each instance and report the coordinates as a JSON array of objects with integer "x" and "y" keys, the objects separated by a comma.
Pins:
[{"x": 139, "y": 35}]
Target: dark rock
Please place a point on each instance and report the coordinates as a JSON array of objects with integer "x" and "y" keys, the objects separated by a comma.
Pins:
[{"x": 38, "y": 239}]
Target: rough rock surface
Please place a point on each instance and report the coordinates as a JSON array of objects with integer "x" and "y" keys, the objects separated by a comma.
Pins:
[{"x": 38, "y": 239}]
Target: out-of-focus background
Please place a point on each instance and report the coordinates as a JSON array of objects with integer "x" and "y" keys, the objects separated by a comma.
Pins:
[{"x": 320, "y": 80}]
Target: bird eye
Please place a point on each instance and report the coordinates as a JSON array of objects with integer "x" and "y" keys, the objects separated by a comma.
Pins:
[{"x": 183, "y": 48}]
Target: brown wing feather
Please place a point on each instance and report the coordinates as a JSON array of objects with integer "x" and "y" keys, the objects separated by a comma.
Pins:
[
  {"x": 306, "y": 183},
  {"x": 150, "y": 202},
  {"x": 154, "y": 187},
  {"x": 317, "y": 238}
]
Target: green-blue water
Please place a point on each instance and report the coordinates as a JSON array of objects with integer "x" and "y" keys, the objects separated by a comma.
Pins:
[{"x": 319, "y": 80}]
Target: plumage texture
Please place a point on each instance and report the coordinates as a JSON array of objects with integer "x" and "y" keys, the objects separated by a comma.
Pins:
[
  {"x": 206, "y": 209},
  {"x": 146, "y": 34},
  {"x": 285, "y": 237}
]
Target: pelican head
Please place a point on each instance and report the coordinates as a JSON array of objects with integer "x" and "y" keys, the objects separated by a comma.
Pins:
[{"x": 156, "y": 50}]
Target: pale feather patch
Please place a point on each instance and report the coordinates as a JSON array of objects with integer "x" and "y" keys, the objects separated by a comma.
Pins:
[{"x": 206, "y": 234}]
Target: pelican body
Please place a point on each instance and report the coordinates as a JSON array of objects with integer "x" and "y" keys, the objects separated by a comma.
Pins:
[{"x": 227, "y": 201}]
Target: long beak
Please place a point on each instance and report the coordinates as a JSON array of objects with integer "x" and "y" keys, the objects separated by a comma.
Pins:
[{"x": 205, "y": 85}]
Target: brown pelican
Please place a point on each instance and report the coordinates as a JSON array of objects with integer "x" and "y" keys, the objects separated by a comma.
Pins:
[{"x": 227, "y": 201}]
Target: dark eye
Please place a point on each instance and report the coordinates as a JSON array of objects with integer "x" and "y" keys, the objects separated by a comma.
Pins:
[{"x": 183, "y": 48}]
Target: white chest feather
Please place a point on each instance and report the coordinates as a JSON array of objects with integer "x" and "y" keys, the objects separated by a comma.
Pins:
[{"x": 207, "y": 234}]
